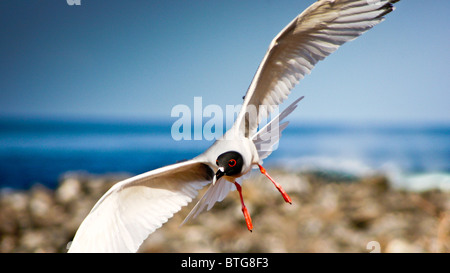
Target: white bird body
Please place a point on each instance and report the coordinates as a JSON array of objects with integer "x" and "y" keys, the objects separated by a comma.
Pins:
[
  {"x": 232, "y": 141},
  {"x": 134, "y": 208}
]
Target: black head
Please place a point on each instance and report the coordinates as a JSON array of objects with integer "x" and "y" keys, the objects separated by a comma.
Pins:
[{"x": 230, "y": 164}]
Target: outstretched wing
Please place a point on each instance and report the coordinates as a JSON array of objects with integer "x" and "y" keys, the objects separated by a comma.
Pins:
[
  {"x": 132, "y": 209},
  {"x": 310, "y": 37}
]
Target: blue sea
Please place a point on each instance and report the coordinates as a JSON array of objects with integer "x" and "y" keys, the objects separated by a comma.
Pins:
[{"x": 41, "y": 150}]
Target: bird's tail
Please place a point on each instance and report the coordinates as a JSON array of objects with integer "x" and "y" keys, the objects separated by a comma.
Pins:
[
  {"x": 266, "y": 139},
  {"x": 215, "y": 193}
]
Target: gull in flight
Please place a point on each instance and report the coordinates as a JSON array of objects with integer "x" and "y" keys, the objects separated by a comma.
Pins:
[{"x": 134, "y": 208}]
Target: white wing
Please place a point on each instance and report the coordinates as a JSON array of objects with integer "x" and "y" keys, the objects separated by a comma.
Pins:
[
  {"x": 132, "y": 209},
  {"x": 310, "y": 37}
]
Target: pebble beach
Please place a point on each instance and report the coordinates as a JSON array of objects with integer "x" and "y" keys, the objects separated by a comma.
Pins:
[{"x": 328, "y": 214}]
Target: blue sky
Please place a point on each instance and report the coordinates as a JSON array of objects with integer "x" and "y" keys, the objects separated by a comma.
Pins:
[{"x": 138, "y": 59}]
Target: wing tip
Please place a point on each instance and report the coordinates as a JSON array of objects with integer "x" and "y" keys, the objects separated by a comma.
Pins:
[
  {"x": 299, "y": 99},
  {"x": 387, "y": 8}
]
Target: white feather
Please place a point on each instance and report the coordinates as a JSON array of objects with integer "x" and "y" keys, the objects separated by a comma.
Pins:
[
  {"x": 132, "y": 209},
  {"x": 310, "y": 37},
  {"x": 268, "y": 136}
]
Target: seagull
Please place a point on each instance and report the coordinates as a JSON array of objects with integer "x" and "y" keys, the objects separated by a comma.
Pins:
[{"x": 134, "y": 208}]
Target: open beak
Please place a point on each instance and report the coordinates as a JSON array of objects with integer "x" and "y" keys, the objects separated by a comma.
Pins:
[{"x": 218, "y": 175}]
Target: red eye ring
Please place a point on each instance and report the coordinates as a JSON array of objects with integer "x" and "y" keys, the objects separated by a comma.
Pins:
[
  {"x": 217, "y": 162},
  {"x": 232, "y": 163}
]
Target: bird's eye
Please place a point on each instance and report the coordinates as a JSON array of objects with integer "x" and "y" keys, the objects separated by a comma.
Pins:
[
  {"x": 232, "y": 163},
  {"x": 217, "y": 162}
]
